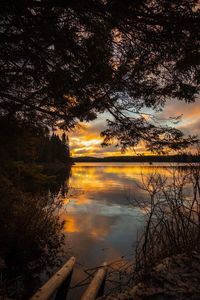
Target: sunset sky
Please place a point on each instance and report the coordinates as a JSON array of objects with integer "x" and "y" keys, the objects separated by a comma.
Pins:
[{"x": 86, "y": 140}]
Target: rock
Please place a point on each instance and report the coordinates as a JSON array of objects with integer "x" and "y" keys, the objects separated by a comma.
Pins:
[{"x": 175, "y": 278}]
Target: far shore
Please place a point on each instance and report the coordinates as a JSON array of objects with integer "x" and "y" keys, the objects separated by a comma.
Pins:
[{"x": 179, "y": 158}]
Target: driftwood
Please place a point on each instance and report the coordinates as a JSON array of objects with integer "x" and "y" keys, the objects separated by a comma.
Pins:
[
  {"x": 56, "y": 282},
  {"x": 96, "y": 286}
]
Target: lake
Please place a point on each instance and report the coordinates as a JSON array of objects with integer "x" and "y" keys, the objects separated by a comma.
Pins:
[
  {"x": 100, "y": 206},
  {"x": 101, "y": 220}
]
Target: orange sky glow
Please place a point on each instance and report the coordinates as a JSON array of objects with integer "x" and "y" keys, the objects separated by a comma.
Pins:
[
  {"x": 86, "y": 143},
  {"x": 86, "y": 140}
]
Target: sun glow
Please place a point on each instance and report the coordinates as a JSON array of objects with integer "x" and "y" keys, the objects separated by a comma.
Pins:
[{"x": 86, "y": 141}]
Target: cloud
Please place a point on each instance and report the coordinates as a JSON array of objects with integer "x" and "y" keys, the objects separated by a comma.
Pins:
[
  {"x": 192, "y": 128},
  {"x": 85, "y": 140},
  {"x": 189, "y": 111}
]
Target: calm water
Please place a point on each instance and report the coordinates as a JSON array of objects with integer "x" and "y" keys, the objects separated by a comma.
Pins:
[{"x": 101, "y": 221}]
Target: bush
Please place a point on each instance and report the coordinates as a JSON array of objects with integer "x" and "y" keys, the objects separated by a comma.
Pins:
[{"x": 173, "y": 218}]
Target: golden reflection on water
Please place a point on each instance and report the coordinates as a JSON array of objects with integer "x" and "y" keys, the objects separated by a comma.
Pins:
[
  {"x": 100, "y": 223},
  {"x": 74, "y": 224},
  {"x": 71, "y": 225},
  {"x": 102, "y": 177},
  {"x": 97, "y": 195},
  {"x": 98, "y": 213}
]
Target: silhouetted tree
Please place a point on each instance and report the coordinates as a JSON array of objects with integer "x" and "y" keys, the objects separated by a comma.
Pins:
[
  {"x": 54, "y": 149},
  {"x": 66, "y": 61},
  {"x": 30, "y": 230},
  {"x": 24, "y": 147}
]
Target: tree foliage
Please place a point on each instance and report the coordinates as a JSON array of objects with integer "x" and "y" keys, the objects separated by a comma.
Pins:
[
  {"x": 31, "y": 233},
  {"x": 66, "y": 61},
  {"x": 30, "y": 158}
]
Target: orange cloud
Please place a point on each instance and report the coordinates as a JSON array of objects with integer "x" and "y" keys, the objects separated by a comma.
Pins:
[
  {"x": 189, "y": 111},
  {"x": 85, "y": 140}
]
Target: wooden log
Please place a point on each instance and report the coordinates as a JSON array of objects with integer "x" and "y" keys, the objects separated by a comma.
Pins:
[
  {"x": 97, "y": 284},
  {"x": 57, "y": 280}
]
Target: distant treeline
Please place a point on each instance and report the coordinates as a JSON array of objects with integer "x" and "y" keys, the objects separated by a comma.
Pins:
[
  {"x": 183, "y": 158},
  {"x": 27, "y": 143},
  {"x": 32, "y": 159}
]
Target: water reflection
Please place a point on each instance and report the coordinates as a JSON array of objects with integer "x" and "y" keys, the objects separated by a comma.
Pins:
[
  {"x": 100, "y": 197},
  {"x": 31, "y": 236},
  {"x": 100, "y": 222}
]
